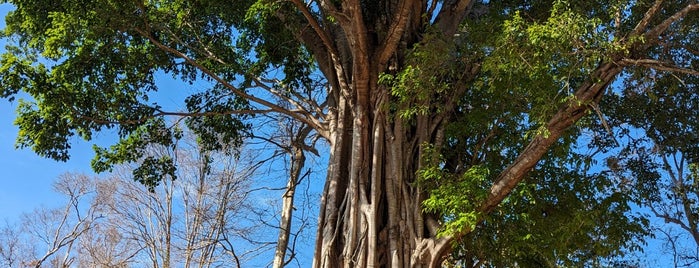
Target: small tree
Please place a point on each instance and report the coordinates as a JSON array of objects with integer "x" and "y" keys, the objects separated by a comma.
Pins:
[{"x": 50, "y": 236}]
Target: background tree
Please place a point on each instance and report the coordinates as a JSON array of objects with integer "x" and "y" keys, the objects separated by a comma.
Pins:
[
  {"x": 202, "y": 219},
  {"x": 398, "y": 74},
  {"x": 49, "y": 236},
  {"x": 655, "y": 119}
]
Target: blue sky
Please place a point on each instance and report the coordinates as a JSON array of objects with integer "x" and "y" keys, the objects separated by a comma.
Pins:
[{"x": 25, "y": 182}]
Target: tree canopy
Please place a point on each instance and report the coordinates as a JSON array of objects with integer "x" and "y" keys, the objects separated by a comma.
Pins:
[{"x": 456, "y": 130}]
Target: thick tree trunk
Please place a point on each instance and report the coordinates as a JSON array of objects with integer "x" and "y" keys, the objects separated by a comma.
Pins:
[{"x": 371, "y": 214}]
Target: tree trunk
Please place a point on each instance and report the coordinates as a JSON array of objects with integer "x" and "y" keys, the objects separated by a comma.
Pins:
[
  {"x": 371, "y": 214},
  {"x": 298, "y": 159}
]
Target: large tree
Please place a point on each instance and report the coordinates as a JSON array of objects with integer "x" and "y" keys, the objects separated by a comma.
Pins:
[{"x": 419, "y": 101}]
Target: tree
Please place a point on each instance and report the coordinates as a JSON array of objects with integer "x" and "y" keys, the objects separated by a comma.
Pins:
[
  {"x": 198, "y": 220},
  {"x": 423, "y": 98},
  {"x": 658, "y": 160},
  {"x": 49, "y": 236},
  {"x": 292, "y": 142}
]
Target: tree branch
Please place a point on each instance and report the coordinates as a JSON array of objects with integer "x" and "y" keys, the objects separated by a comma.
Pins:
[
  {"x": 660, "y": 28},
  {"x": 303, "y": 117},
  {"x": 320, "y": 32},
  {"x": 646, "y": 18},
  {"x": 395, "y": 32},
  {"x": 451, "y": 15},
  {"x": 658, "y": 65},
  {"x": 258, "y": 80}
]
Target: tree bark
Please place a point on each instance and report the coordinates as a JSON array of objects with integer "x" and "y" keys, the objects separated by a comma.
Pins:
[
  {"x": 298, "y": 159},
  {"x": 370, "y": 211}
]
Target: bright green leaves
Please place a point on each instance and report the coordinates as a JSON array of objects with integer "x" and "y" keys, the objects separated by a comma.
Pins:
[
  {"x": 544, "y": 61},
  {"x": 456, "y": 197},
  {"x": 422, "y": 87},
  {"x": 55, "y": 37},
  {"x": 138, "y": 147},
  {"x": 18, "y": 73}
]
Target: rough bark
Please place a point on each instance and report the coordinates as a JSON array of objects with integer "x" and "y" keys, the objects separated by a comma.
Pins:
[{"x": 371, "y": 213}]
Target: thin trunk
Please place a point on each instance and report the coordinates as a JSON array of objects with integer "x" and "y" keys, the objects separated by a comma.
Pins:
[
  {"x": 193, "y": 211},
  {"x": 168, "y": 224},
  {"x": 298, "y": 160}
]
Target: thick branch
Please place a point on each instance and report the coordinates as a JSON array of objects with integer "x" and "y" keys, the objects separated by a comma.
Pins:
[
  {"x": 646, "y": 17},
  {"x": 319, "y": 31},
  {"x": 357, "y": 35},
  {"x": 575, "y": 109},
  {"x": 660, "y": 28},
  {"x": 589, "y": 92},
  {"x": 398, "y": 26},
  {"x": 451, "y": 15}
]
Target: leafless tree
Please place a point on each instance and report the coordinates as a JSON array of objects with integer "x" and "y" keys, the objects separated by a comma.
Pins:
[
  {"x": 678, "y": 207},
  {"x": 13, "y": 249},
  {"x": 48, "y": 236},
  {"x": 195, "y": 220},
  {"x": 201, "y": 219}
]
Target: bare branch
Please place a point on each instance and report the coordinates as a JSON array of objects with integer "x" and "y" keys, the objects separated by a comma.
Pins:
[{"x": 658, "y": 65}]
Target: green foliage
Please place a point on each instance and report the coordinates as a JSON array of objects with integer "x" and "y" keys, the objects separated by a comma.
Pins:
[
  {"x": 542, "y": 60},
  {"x": 455, "y": 197},
  {"x": 87, "y": 66},
  {"x": 214, "y": 130},
  {"x": 559, "y": 217},
  {"x": 136, "y": 147},
  {"x": 533, "y": 59},
  {"x": 424, "y": 83}
]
